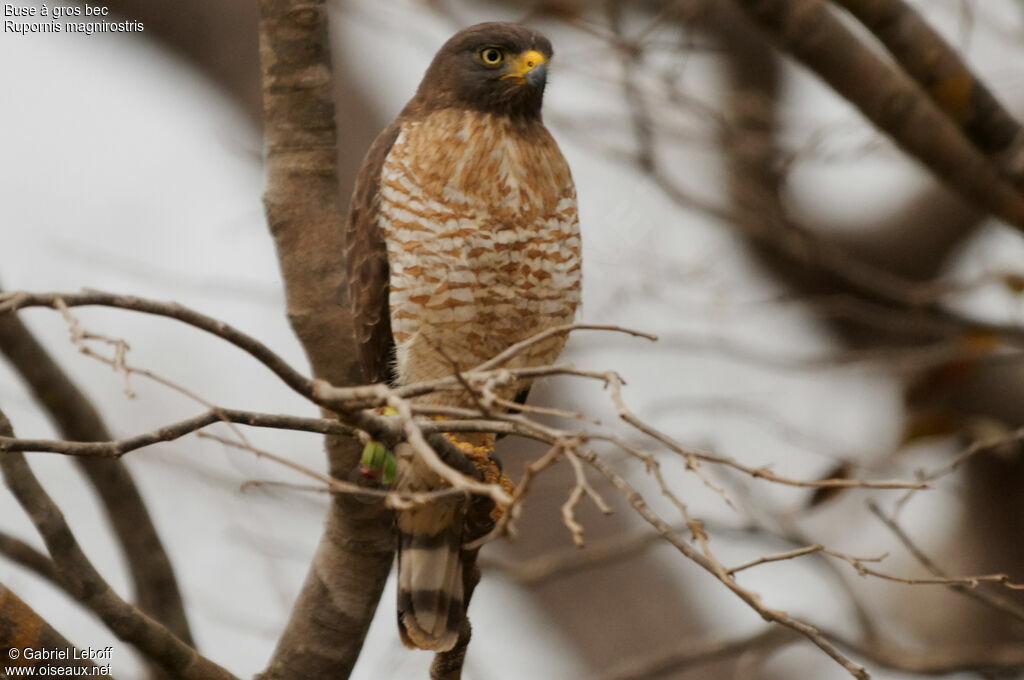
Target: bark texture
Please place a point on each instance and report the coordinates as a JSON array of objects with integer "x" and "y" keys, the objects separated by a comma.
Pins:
[{"x": 305, "y": 212}]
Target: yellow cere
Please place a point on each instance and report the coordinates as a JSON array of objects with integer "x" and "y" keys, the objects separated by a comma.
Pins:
[{"x": 524, "y": 63}]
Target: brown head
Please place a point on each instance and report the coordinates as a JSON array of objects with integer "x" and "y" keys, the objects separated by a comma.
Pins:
[{"x": 493, "y": 67}]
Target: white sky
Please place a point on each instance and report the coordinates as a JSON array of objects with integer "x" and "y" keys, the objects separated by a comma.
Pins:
[{"x": 123, "y": 170}]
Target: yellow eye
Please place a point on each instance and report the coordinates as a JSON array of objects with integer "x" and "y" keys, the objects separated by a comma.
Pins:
[{"x": 491, "y": 56}]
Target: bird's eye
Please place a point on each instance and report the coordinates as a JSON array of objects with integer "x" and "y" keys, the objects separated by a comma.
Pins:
[{"x": 491, "y": 56}]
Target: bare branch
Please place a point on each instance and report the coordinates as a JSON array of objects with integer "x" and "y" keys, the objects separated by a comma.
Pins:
[
  {"x": 582, "y": 488},
  {"x": 859, "y": 564},
  {"x": 14, "y": 301},
  {"x": 118, "y": 448},
  {"x": 941, "y": 73},
  {"x": 20, "y": 552},
  {"x": 811, "y": 31},
  {"x": 758, "y": 473},
  {"x": 637, "y": 502},
  {"x": 692, "y": 655},
  {"x": 944, "y": 660},
  {"x": 807, "y": 550},
  {"x": 156, "y": 587},
  {"x": 569, "y": 560},
  {"x": 457, "y": 480},
  {"x": 992, "y": 600},
  {"x": 520, "y": 347},
  {"x": 86, "y": 584}
]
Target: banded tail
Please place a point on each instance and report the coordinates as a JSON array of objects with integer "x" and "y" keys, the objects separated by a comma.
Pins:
[
  {"x": 430, "y": 594},
  {"x": 431, "y": 605}
]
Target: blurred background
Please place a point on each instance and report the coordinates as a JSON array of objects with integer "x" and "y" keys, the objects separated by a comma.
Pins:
[{"x": 132, "y": 164}]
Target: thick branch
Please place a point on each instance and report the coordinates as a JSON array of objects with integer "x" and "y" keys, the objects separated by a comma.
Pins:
[
  {"x": 333, "y": 612},
  {"x": 940, "y": 71},
  {"x": 811, "y": 32}
]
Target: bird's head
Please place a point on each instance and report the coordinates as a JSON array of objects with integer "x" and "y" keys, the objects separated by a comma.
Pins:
[{"x": 493, "y": 67}]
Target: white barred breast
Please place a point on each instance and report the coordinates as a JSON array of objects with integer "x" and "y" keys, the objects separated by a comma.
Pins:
[{"x": 479, "y": 216}]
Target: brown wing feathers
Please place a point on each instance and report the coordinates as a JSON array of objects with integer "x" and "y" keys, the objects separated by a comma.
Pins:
[{"x": 367, "y": 260}]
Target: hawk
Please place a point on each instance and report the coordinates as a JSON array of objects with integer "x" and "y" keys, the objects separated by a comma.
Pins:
[{"x": 462, "y": 239}]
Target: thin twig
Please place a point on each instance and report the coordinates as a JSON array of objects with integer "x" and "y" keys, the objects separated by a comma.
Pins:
[
  {"x": 992, "y": 600},
  {"x": 637, "y": 502}
]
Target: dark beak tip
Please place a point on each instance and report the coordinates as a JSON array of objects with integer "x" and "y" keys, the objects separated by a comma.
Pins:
[{"x": 537, "y": 76}]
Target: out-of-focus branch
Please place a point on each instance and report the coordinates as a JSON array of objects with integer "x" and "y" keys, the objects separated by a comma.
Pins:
[
  {"x": 22, "y": 628},
  {"x": 940, "y": 71},
  {"x": 810, "y": 260},
  {"x": 935, "y": 660},
  {"x": 928, "y": 662},
  {"x": 811, "y": 32},
  {"x": 756, "y": 212},
  {"x": 84, "y": 583},
  {"x": 156, "y": 588},
  {"x": 802, "y": 252},
  {"x": 997, "y": 602},
  {"x": 691, "y": 655},
  {"x": 219, "y": 38},
  {"x": 20, "y": 552},
  {"x": 304, "y": 210},
  {"x": 571, "y": 560},
  {"x": 754, "y": 80}
]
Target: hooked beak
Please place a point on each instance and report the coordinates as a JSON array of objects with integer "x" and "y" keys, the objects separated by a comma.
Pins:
[
  {"x": 537, "y": 76},
  {"x": 529, "y": 68}
]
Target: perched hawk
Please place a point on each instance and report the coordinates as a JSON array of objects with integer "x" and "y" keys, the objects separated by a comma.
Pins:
[{"x": 462, "y": 239}]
